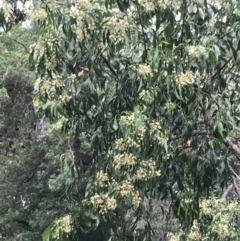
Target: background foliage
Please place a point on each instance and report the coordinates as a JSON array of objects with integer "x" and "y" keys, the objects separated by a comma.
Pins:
[{"x": 37, "y": 182}]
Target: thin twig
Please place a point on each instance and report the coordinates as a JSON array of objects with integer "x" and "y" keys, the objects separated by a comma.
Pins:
[
  {"x": 218, "y": 72},
  {"x": 72, "y": 153},
  {"x": 144, "y": 38},
  {"x": 26, "y": 49},
  {"x": 235, "y": 174},
  {"x": 23, "y": 112},
  {"x": 236, "y": 186},
  {"x": 182, "y": 30},
  {"x": 109, "y": 66},
  {"x": 84, "y": 69}
]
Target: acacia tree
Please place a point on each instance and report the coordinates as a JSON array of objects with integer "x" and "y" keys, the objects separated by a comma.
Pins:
[{"x": 155, "y": 84}]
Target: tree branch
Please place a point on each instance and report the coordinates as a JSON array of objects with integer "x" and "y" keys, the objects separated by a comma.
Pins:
[
  {"x": 221, "y": 68},
  {"x": 202, "y": 132},
  {"x": 236, "y": 186},
  {"x": 26, "y": 49},
  {"x": 84, "y": 69},
  {"x": 71, "y": 151},
  {"x": 229, "y": 188},
  {"x": 110, "y": 67},
  {"x": 233, "y": 147}
]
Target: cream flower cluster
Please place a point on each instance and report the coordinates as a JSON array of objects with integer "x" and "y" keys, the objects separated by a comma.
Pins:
[
  {"x": 38, "y": 51},
  {"x": 102, "y": 179},
  {"x": 57, "y": 80},
  {"x": 205, "y": 206},
  {"x": 173, "y": 237},
  {"x": 144, "y": 70},
  {"x": 6, "y": 7},
  {"x": 75, "y": 12},
  {"x": 141, "y": 171},
  {"x": 225, "y": 4},
  {"x": 103, "y": 48},
  {"x": 154, "y": 90},
  {"x": 123, "y": 160},
  {"x": 37, "y": 14},
  {"x": 194, "y": 234},
  {"x": 88, "y": 4},
  {"x": 185, "y": 79},
  {"x": 117, "y": 28},
  {"x": 63, "y": 97},
  {"x": 170, "y": 106},
  {"x": 51, "y": 64},
  {"x": 155, "y": 126},
  {"x": 104, "y": 203},
  {"x": 222, "y": 225},
  {"x": 81, "y": 13},
  {"x": 146, "y": 96},
  {"x": 58, "y": 124},
  {"x": 147, "y": 170},
  {"x": 151, "y": 5},
  {"x": 174, "y": 4},
  {"x": 141, "y": 133},
  {"x": 79, "y": 33},
  {"x": 46, "y": 85},
  {"x": 128, "y": 120},
  {"x": 63, "y": 225},
  {"x": 124, "y": 144},
  {"x": 223, "y": 213},
  {"x": 196, "y": 52},
  {"x": 82, "y": 7},
  {"x": 156, "y": 131},
  {"x": 126, "y": 189}
]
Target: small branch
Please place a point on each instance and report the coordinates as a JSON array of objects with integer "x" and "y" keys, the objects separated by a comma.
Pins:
[
  {"x": 72, "y": 153},
  {"x": 168, "y": 210},
  {"x": 110, "y": 67},
  {"x": 218, "y": 72},
  {"x": 84, "y": 69},
  {"x": 30, "y": 178},
  {"x": 235, "y": 174},
  {"x": 236, "y": 75},
  {"x": 229, "y": 188},
  {"x": 182, "y": 30},
  {"x": 202, "y": 132},
  {"x": 236, "y": 186},
  {"x": 144, "y": 37},
  {"x": 26, "y": 49},
  {"x": 23, "y": 112},
  {"x": 233, "y": 147}
]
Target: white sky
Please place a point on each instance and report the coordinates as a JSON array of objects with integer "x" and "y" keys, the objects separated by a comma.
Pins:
[{"x": 20, "y": 6}]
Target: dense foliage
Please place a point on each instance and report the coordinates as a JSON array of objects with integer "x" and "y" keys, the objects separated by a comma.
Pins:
[
  {"x": 155, "y": 85},
  {"x": 36, "y": 181}
]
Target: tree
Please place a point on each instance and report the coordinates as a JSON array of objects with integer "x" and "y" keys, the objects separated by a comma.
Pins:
[
  {"x": 16, "y": 133},
  {"x": 155, "y": 83},
  {"x": 36, "y": 175}
]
